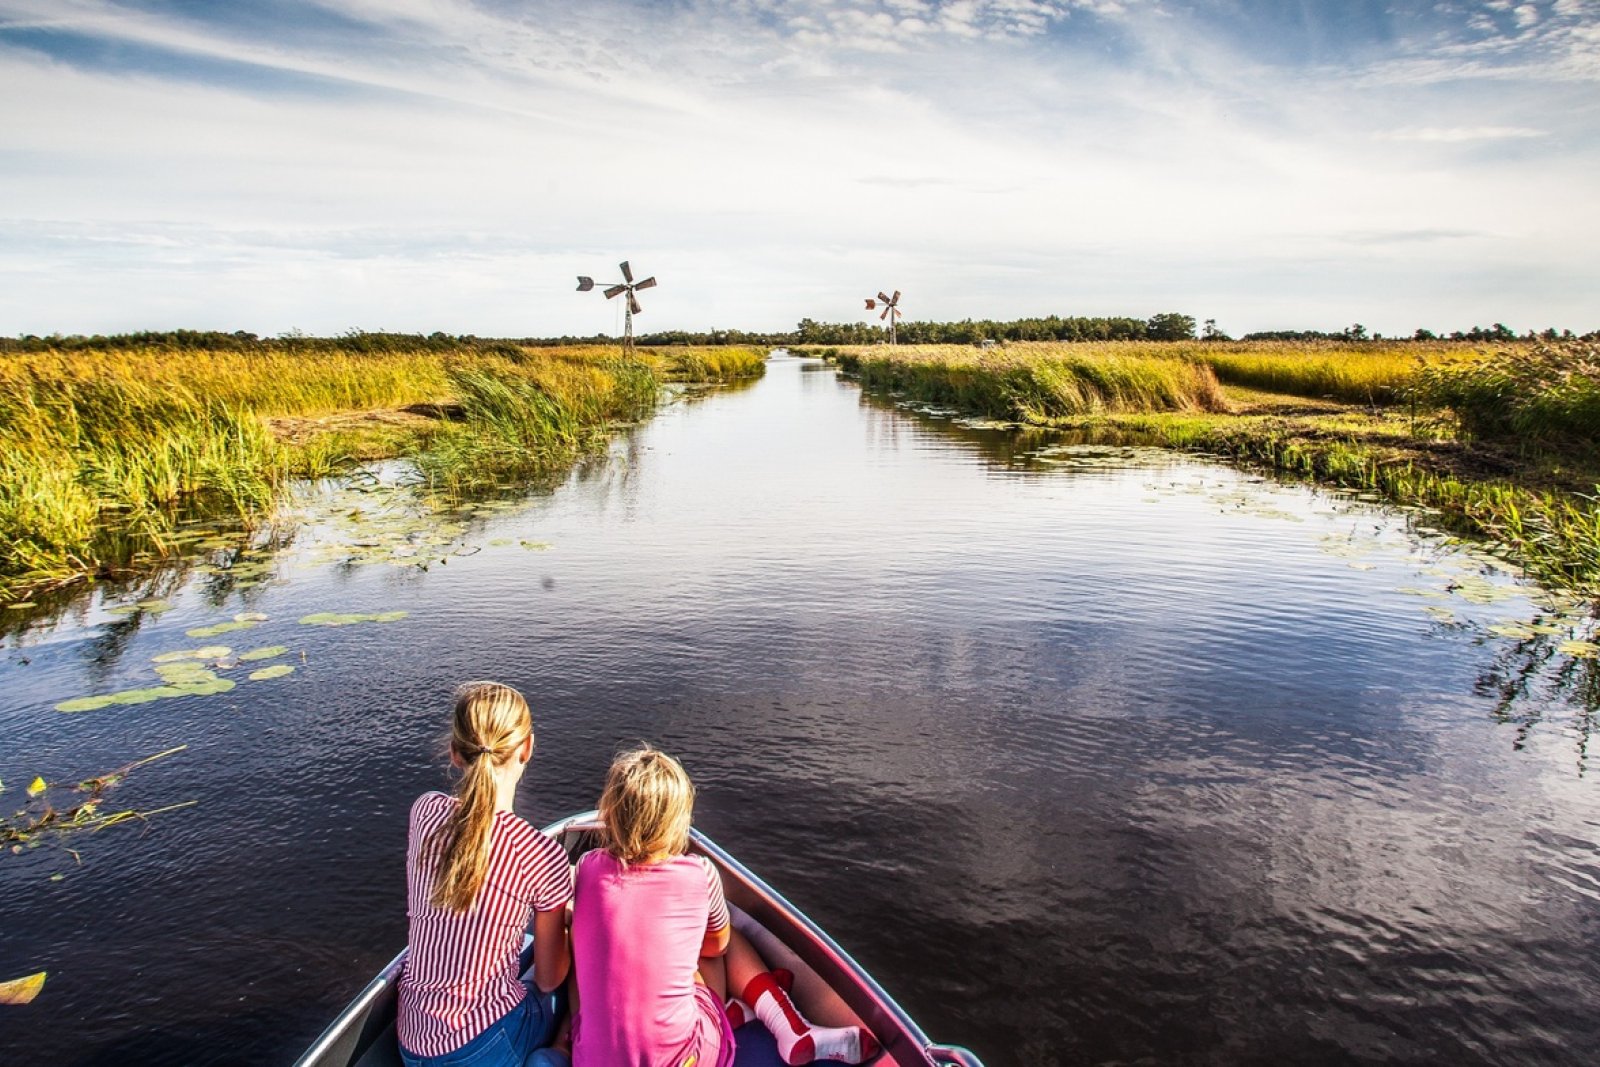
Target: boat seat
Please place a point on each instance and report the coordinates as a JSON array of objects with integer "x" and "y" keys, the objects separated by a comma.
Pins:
[
  {"x": 385, "y": 1052},
  {"x": 755, "y": 1047}
]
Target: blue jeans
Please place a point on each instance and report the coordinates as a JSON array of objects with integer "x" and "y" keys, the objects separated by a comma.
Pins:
[{"x": 516, "y": 1039}]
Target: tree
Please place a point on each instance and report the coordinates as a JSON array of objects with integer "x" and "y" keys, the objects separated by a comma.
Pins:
[{"x": 1170, "y": 326}]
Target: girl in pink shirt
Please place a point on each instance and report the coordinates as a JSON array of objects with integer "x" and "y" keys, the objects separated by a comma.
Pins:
[
  {"x": 475, "y": 872},
  {"x": 654, "y": 951}
]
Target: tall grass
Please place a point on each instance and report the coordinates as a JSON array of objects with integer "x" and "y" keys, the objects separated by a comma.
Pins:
[
  {"x": 1543, "y": 395},
  {"x": 100, "y": 445},
  {"x": 1038, "y": 383},
  {"x": 1547, "y": 396}
]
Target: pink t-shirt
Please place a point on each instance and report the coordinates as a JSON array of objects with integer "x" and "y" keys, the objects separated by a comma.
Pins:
[
  {"x": 461, "y": 971},
  {"x": 636, "y": 937}
]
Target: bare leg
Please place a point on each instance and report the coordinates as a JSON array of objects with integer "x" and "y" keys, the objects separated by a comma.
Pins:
[
  {"x": 744, "y": 963},
  {"x": 729, "y": 973},
  {"x": 713, "y": 974}
]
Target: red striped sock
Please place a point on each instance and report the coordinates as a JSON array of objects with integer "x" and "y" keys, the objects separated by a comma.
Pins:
[{"x": 798, "y": 1041}]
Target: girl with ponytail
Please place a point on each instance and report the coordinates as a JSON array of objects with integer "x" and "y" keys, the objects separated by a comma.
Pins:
[{"x": 475, "y": 872}]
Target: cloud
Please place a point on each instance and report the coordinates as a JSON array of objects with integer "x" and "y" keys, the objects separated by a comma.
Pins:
[
  {"x": 315, "y": 163},
  {"x": 1458, "y": 134}
]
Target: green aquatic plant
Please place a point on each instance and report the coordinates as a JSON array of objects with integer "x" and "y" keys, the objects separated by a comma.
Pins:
[
  {"x": 333, "y": 618},
  {"x": 277, "y": 670},
  {"x": 57, "y": 808},
  {"x": 104, "y": 448}
]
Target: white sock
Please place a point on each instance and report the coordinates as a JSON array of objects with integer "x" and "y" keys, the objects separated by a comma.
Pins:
[{"x": 798, "y": 1041}]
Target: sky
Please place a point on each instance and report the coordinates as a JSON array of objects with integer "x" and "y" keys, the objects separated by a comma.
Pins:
[{"x": 421, "y": 165}]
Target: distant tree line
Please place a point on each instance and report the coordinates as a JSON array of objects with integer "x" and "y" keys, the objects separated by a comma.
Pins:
[
  {"x": 1357, "y": 332},
  {"x": 1168, "y": 326}
]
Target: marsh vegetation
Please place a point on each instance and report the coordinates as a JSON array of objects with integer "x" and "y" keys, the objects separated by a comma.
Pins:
[
  {"x": 1502, "y": 441},
  {"x": 105, "y": 448}
]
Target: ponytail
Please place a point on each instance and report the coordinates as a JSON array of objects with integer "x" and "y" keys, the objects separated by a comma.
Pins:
[{"x": 490, "y": 724}]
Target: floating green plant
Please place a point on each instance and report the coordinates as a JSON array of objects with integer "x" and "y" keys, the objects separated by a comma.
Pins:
[
  {"x": 183, "y": 679},
  {"x": 269, "y": 652},
  {"x": 220, "y": 628},
  {"x": 333, "y": 618},
  {"x": 46, "y": 814},
  {"x": 1515, "y": 630},
  {"x": 277, "y": 670},
  {"x": 208, "y": 652}
]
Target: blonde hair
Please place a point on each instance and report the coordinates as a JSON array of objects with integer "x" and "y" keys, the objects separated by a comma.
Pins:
[
  {"x": 647, "y": 804},
  {"x": 489, "y": 725}
]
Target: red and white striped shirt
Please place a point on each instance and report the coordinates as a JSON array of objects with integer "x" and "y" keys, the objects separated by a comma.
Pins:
[{"x": 461, "y": 972}]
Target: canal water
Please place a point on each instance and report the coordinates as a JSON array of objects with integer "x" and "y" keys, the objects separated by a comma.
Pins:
[{"x": 1091, "y": 754}]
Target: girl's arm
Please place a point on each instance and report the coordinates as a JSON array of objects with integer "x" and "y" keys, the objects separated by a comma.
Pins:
[
  {"x": 716, "y": 941},
  {"x": 552, "y": 951},
  {"x": 719, "y": 930}
]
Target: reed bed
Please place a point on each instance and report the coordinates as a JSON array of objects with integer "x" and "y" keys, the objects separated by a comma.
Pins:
[
  {"x": 1039, "y": 382},
  {"x": 99, "y": 447},
  {"x": 1547, "y": 396},
  {"x": 1538, "y": 405},
  {"x": 1371, "y": 373}
]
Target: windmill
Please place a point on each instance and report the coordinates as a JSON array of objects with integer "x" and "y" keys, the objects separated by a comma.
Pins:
[
  {"x": 891, "y": 309},
  {"x": 631, "y": 307}
]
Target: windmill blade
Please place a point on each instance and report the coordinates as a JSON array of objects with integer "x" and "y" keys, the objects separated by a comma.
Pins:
[
  {"x": 886, "y": 310},
  {"x": 884, "y": 298},
  {"x": 896, "y": 299},
  {"x": 633, "y": 303},
  {"x": 648, "y": 283},
  {"x": 585, "y": 283},
  {"x": 616, "y": 290},
  {"x": 871, "y": 303},
  {"x": 627, "y": 275}
]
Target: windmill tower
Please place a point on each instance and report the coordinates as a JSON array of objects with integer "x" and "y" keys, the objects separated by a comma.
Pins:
[
  {"x": 891, "y": 309},
  {"x": 631, "y": 306}
]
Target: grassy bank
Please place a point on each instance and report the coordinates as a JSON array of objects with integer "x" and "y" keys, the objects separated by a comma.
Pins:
[
  {"x": 1503, "y": 443},
  {"x": 1038, "y": 382},
  {"x": 101, "y": 451}
]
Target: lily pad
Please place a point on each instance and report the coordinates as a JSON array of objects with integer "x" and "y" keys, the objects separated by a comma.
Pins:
[
  {"x": 208, "y": 652},
  {"x": 250, "y": 616},
  {"x": 277, "y": 670},
  {"x": 536, "y": 546},
  {"x": 20, "y": 991},
  {"x": 333, "y": 618},
  {"x": 270, "y": 652},
  {"x": 1515, "y": 630},
  {"x": 1441, "y": 614},
  {"x": 146, "y": 695},
  {"x": 1579, "y": 649},
  {"x": 154, "y": 606},
  {"x": 86, "y": 703},
  {"x": 184, "y": 671},
  {"x": 219, "y": 628},
  {"x": 207, "y": 688}
]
